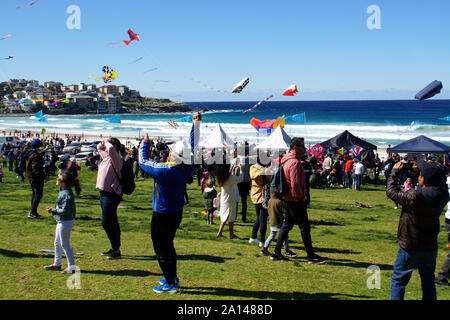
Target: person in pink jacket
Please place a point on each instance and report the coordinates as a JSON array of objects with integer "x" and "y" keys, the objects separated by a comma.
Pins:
[
  {"x": 295, "y": 203},
  {"x": 108, "y": 184}
]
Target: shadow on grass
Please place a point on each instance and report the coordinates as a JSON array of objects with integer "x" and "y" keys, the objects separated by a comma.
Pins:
[
  {"x": 325, "y": 250},
  {"x": 352, "y": 264},
  {"x": 182, "y": 258},
  {"x": 129, "y": 273},
  {"x": 326, "y": 223},
  {"x": 16, "y": 254},
  {"x": 227, "y": 292},
  {"x": 88, "y": 218}
]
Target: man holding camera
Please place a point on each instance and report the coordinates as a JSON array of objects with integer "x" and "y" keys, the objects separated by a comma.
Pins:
[{"x": 418, "y": 227}]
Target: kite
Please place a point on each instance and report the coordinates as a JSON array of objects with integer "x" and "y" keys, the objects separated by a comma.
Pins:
[
  {"x": 291, "y": 91},
  {"x": 300, "y": 117},
  {"x": 266, "y": 125},
  {"x": 110, "y": 75},
  {"x": 362, "y": 205},
  {"x": 19, "y": 8},
  {"x": 9, "y": 58},
  {"x": 59, "y": 101},
  {"x": 241, "y": 85},
  {"x": 186, "y": 119},
  {"x": 138, "y": 59},
  {"x": 173, "y": 124},
  {"x": 53, "y": 251},
  {"x": 257, "y": 105},
  {"x": 429, "y": 91},
  {"x": 39, "y": 114},
  {"x": 133, "y": 36},
  {"x": 6, "y": 37},
  {"x": 356, "y": 151},
  {"x": 447, "y": 118},
  {"x": 44, "y": 119}
]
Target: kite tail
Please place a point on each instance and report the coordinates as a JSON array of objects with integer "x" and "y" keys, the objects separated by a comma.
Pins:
[
  {"x": 115, "y": 43},
  {"x": 100, "y": 78},
  {"x": 127, "y": 42}
]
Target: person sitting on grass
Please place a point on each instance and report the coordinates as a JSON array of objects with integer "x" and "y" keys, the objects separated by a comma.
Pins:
[{"x": 64, "y": 214}]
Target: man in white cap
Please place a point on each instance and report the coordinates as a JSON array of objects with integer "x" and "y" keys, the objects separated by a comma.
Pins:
[{"x": 170, "y": 180}]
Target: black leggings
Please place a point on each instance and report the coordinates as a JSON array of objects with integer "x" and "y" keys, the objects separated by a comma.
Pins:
[
  {"x": 163, "y": 229},
  {"x": 260, "y": 223}
]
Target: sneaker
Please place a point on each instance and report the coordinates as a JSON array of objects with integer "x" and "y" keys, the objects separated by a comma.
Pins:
[
  {"x": 395, "y": 207},
  {"x": 114, "y": 255},
  {"x": 107, "y": 253},
  {"x": 261, "y": 244},
  {"x": 317, "y": 260},
  {"x": 265, "y": 252},
  {"x": 163, "y": 281},
  {"x": 252, "y": 241},
  {"x": 290, "y": 254},
  {"x": 33, "y": 216},
  {"x": 52, "y": 267},
  {"x": 278, "y": 257},
  {"x": 167, "y": 288},
  {"x": 441, "y": 283},
  {"x": 70, "y": 270}
]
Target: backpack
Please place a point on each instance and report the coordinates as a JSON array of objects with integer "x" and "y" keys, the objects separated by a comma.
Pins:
[
  {"x": 279, "y": 184},
  {"x": 127, "y": 173}
]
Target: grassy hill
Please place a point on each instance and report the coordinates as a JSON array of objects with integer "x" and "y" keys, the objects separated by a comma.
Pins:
[{"x": 208, "y": 268}]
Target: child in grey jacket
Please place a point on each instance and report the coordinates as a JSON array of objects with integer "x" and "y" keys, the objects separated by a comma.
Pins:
[{"x": 64, "y": 214}]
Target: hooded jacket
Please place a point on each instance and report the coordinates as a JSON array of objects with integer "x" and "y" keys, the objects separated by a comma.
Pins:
[
  {"x": 418, "y": 227},
  {"x": 295, "y": 178}
]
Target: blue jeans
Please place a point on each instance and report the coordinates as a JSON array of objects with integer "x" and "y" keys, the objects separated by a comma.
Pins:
[
  {"x": 109, "y": 201},
  {"x": 357, "y": 182},
  {"x": 348, "y": 179},
  {"x": 405, "y": 264}
]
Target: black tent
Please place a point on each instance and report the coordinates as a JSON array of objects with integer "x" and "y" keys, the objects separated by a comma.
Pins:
[
  {"x": 420, "y": 144},
  {"x": 347, "y": 140}
]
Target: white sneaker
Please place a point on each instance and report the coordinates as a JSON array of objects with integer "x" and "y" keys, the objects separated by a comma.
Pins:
[
  {"x": 251, "y": 241},
  {"x": 261, "y": 244},
  {"x": 395, "y": 207}
]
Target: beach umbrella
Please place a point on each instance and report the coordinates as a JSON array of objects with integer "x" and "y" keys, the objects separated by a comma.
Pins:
[{"x": 429, "y": 91}]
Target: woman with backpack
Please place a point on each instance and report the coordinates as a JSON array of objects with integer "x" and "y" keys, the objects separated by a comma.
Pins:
[{"x": 108, "y": 184}]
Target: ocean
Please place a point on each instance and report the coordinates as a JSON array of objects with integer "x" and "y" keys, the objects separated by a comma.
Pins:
[{"x": 382, "y": 123}]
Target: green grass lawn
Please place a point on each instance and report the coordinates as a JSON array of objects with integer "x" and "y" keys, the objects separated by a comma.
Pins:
[{"x": 208, "y": 268}]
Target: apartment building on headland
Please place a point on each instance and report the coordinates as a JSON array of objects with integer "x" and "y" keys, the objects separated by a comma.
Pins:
[{"x": 29, "y": 96}]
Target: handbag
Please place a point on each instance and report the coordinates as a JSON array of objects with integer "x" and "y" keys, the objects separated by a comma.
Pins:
[{"x": 216, "y": 201}]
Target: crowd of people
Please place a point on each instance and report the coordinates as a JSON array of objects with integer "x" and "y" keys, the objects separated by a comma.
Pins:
[{"x": 418, "y": 186}]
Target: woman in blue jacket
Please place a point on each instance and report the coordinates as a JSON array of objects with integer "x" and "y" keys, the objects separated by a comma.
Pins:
[{"x": 170, "y": 179}]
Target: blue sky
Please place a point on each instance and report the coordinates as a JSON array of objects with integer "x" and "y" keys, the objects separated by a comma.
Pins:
[{"x": 202, "y": 47}]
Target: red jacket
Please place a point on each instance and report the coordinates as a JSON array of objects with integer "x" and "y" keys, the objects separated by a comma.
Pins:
[{"x": 295, "y": 178}]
